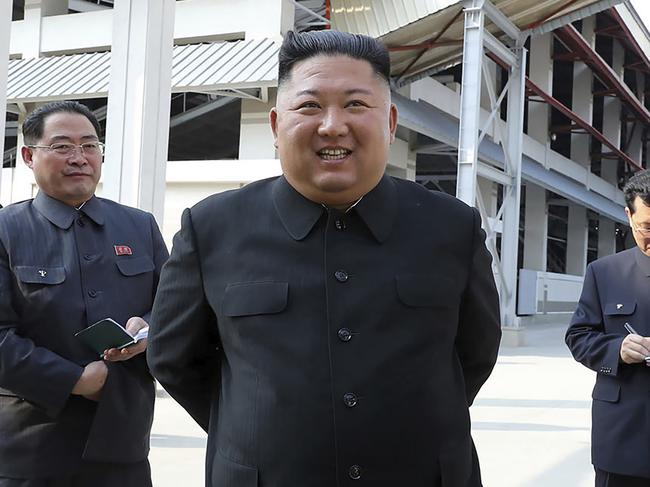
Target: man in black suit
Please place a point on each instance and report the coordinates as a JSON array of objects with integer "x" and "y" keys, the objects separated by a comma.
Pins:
[
  {"x": 331, "y": 326},
  {"x": 68, "y": 259},
  {"x": 609, "y": 334}
]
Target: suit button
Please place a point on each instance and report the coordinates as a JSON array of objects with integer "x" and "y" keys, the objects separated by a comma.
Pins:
[
  {"x": 340, "y": 225},
  {"x": 355, "y": 472},
  {"x": 80, "y": 222},
  {"x": 92, "y": 293},
  {"x": 88, "y": 257},
  {"x": 350, "y": 399},
  {"x": 341, "y": 276},
  {"x": 345, "y": 335}
]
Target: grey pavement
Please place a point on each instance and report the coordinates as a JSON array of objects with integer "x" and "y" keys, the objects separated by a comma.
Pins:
[{"x": 531, "y": 422}]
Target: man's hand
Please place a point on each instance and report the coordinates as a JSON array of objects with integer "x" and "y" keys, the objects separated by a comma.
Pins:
[
  {"x": 133, "y": 326},
  {"x": 92, "y": 381},
  {"x": 635, "y": 349}
]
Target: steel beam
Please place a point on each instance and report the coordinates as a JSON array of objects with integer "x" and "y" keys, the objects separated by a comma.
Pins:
[
  {"x": 503, "y": 22},
  {"x": 497, "y": 47},
  {"x": 512, "y": 193},
  {"x": 470, "y": 102}
]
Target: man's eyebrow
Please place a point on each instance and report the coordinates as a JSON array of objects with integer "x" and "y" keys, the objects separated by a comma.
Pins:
[
  {"x": 351, "y": 91},
  {"x": 65, "y": 137}
]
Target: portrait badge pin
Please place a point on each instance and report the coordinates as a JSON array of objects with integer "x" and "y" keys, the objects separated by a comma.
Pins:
[
  {"x": 619, "y": 306},
  {"x": 122, "y": 250},
  {"x": 42, "y": 272}
]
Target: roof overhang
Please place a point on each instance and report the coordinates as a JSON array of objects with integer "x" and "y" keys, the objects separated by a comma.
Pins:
[
  {"x": 241, "y": 68},
  {"x": 425, "y": 37}
]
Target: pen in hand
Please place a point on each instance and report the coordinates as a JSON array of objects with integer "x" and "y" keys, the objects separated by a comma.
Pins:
[
  {"x": 629, "y": 329},
  {"x": 632, "y": 331}
]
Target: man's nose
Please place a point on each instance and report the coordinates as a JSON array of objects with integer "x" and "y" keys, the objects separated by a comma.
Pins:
[
  {"x": 333, "y": 124},
  {"x": 77, "y": 156}
]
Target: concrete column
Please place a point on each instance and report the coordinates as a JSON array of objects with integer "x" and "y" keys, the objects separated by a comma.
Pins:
[
  {"x": 612, "y": 117},
  {"x": 606, "y": 237},
  {"x": 256, "y": 137},
  {"x": 22, "y": 184},
  {"x": 35, "y": 10},
  {"x": 488, "y": 191},
  {"x": 137, "y": 130},
  {"x": 5, "y": 31},
  {"x": 541, "y": 73},
  {"x": 577, "y": 233},
  {"x": 635, "y": 146},
  {"x": 398, "y": 159},
  {"x": 536, "y": 228},
  {"x": 583, "y": 100}
]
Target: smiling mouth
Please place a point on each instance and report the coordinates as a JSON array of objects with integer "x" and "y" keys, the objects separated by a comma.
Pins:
[{"x": 333, "y": 154}]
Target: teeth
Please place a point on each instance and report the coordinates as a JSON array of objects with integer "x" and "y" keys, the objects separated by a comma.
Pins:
[{"x": 333, "y": 153}]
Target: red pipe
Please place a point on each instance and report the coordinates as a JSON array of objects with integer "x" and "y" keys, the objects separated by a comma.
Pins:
[
  {"x": 581, "y": 123},
  {"x": 571, "y": 37},
  {"x": 328, "y": 14}
]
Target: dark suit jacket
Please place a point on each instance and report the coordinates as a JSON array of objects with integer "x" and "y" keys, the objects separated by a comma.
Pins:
[
  {"x": 60, "y": 272},
  {"x": 616, "y": 291},
  {"x": 316, "y": 346}
]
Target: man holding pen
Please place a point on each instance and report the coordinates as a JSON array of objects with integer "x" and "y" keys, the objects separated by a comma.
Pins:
[{"x": 610, "y": 334}]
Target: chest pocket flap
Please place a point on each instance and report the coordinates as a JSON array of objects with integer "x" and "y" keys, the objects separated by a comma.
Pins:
[
  {"x": 425, "y": 290},
  {"x": 39, "y": 274},
  {"x": 135, "y": 265},
  {"x": 620, "y": 308},
  {"x": 255, "y": 298}
]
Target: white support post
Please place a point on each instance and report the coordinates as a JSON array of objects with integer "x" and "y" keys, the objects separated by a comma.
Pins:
[
  {"x": 512, "y": 194},
  {"x": 536, "y": 228},
  {"x": 137, "y": 131},
  {"x": 256, "y": 137},
  {"x": 5, "y": 30},
  {"x": 583, "y": 100},
  {"x": 470, "y": 102},
  {"x": 577, "y": 235},
  {"x": 606, "y": 237}
]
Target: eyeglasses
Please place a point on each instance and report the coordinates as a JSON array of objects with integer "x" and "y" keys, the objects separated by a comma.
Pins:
[
  {"x": 645, "y": 231},
  {"x": 91, "y": 149}
]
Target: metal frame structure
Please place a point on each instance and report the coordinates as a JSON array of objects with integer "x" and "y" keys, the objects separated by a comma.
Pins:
[{"x": 476, "y": 41}]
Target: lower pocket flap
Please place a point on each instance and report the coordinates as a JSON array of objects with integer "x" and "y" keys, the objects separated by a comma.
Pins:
[
  {"x": 606, "y": 391},
  {"x": 226, "y": 473}
]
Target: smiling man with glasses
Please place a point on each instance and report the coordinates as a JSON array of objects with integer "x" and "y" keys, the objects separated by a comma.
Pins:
[
  {"x": 609, "y": 333},
  {"x": 69, "y": 259}
]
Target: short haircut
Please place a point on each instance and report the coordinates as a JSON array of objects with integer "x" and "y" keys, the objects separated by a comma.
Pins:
[
  {"x": 637, "y": 185},
  {"x": 35, "y": 121},
  {"x": 298, "y": 47}
]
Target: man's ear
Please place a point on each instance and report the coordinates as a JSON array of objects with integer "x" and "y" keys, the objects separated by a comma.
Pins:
[
  {"x": 27, "y": 154},
  {"x": 392, "y": 122},
  {"x": 273, "y": 119}
]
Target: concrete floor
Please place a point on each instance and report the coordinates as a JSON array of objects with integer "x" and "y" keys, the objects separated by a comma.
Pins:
[{"x": 531, "y": 422}]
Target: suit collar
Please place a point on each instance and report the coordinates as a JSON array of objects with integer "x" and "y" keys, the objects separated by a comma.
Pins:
[
  {"x": 643, "y": 261},
  {"x": 377, "y": 209},
  {"x": 297, "y": 213},
  {"x": 63, "y": 215}
]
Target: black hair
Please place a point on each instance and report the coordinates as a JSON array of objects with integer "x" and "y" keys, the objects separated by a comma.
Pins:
[
  {"x": 637, "y": 185},
  {"x": 35, "y": 121},
  {"x": 297, "y": 47}
]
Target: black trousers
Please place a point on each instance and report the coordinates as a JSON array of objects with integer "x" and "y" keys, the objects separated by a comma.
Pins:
[
  {"x": 608, "y": 479},
  {"x": 93, "y": 475}
]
